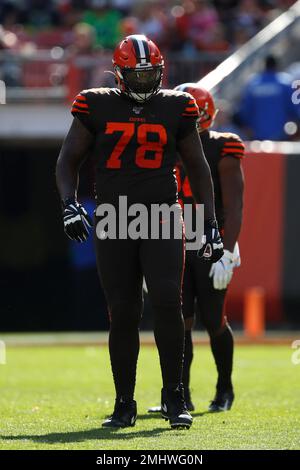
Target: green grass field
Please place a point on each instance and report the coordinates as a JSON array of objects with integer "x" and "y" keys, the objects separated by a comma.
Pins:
[{"x": 56, "y": 398}]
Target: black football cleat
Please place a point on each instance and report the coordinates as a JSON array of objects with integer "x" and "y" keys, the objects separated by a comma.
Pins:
[
  {"x": 222, "y": 401},
  {"x": 173, "y": 408},
  {"x": 124, "y": 415},
  {"x": 188, "y": 401}
]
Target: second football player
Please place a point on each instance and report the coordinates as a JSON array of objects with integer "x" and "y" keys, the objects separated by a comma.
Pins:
[{"x": 205, "y": 284}]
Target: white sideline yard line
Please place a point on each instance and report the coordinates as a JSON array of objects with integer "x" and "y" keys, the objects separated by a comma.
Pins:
[{"x": 147, "y": 338}]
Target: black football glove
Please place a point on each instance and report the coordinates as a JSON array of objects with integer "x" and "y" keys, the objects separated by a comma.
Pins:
[
  {"x": 76, "y": 220},
  {"x": 212, "y": 245}
]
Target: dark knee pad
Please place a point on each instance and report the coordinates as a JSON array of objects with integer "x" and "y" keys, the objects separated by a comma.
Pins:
[{"x": 125, "y": 314}]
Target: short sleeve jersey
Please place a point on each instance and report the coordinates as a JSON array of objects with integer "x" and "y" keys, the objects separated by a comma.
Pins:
[{"x": 134, "y": 147}]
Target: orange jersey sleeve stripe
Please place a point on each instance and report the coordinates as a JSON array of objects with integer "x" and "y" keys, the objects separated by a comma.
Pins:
[
  {"x": 81, "y": 105},
  {"x": 191, "y": 109},
  {"x": 76, "y": 110},
  {"x": 80, "y": 97},
  {"x": 238, "y": 147},
  {"x": 234, "y": 145},
  {"x": 234, "y": 149}
]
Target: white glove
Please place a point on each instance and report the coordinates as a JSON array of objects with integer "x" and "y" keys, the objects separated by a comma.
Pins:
[{"x": 222, "y": 270}]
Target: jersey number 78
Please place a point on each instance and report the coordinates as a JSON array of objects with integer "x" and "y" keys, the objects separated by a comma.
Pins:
[{"x": 128, "y": 130}]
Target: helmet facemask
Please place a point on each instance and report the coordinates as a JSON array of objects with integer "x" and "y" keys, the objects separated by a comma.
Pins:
[
  {"x": 140, "y": 84},
  {"x": 205, "y": 121}
]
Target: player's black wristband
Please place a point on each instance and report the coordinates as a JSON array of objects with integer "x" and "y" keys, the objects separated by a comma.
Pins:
[
  {"x": 210, "y": 223},
  {"x": 212, "y": 248},
  {"x": 67, "y": 201}
]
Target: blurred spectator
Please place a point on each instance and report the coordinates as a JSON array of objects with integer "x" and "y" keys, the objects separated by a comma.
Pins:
[
  {"x": 83, "y": 40},
  {"x": 215, "y": 39},
  {"x": 202, "y": 22},
  {"x": 124, "y": 6},
  {"x": 226, "y": 10},
  {"x": 95, "y": 64},
  {"x": 71, "y": 13},
  {"x": 129, "y": 25},
  {"x": 266, "y": 104},
  {"x": 10, "y": 67},
  {"x": 240, "y": 36},
  {"x": 40, "y": 14},
  {"x": 106, "y": 22},
  {"x": 10, "y": 15},
  {"x": 249, "y": 17},
  {"x": 151, "y": 20},
  {"x": 196, "y": 21}
]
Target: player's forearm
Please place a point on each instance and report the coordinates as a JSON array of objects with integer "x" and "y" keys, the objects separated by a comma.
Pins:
[
  {"x": 232, "y": 228},
  {"x": 198, "y": 172},
  {"x": 73, "y": 153},
  {"x": 67, "y": 178},
  {"x": 232, "y": 187}
]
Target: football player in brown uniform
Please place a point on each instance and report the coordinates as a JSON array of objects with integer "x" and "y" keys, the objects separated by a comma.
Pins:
[
  {"x": 133, "y": 133},
  {"x": 205, "y": 285}
]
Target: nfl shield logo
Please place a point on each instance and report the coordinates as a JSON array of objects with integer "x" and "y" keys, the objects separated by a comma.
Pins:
[{"x": 137, "y": 109}]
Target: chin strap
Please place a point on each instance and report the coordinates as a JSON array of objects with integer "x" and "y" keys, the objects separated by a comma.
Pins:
[{"x": 140, "y": 97}]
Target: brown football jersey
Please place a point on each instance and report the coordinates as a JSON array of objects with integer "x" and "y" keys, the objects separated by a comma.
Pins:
[
  {"x": 216, "y": 145},
  {"x": 134, "y": 148}
]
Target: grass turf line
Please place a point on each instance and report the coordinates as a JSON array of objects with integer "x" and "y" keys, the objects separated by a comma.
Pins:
[{"x": 56, "y": 398}]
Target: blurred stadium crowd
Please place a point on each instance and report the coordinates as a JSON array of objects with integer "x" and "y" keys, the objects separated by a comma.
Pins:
[
  {"x": 87, "y": 25},
  {"x": 68, "y": 44}
]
